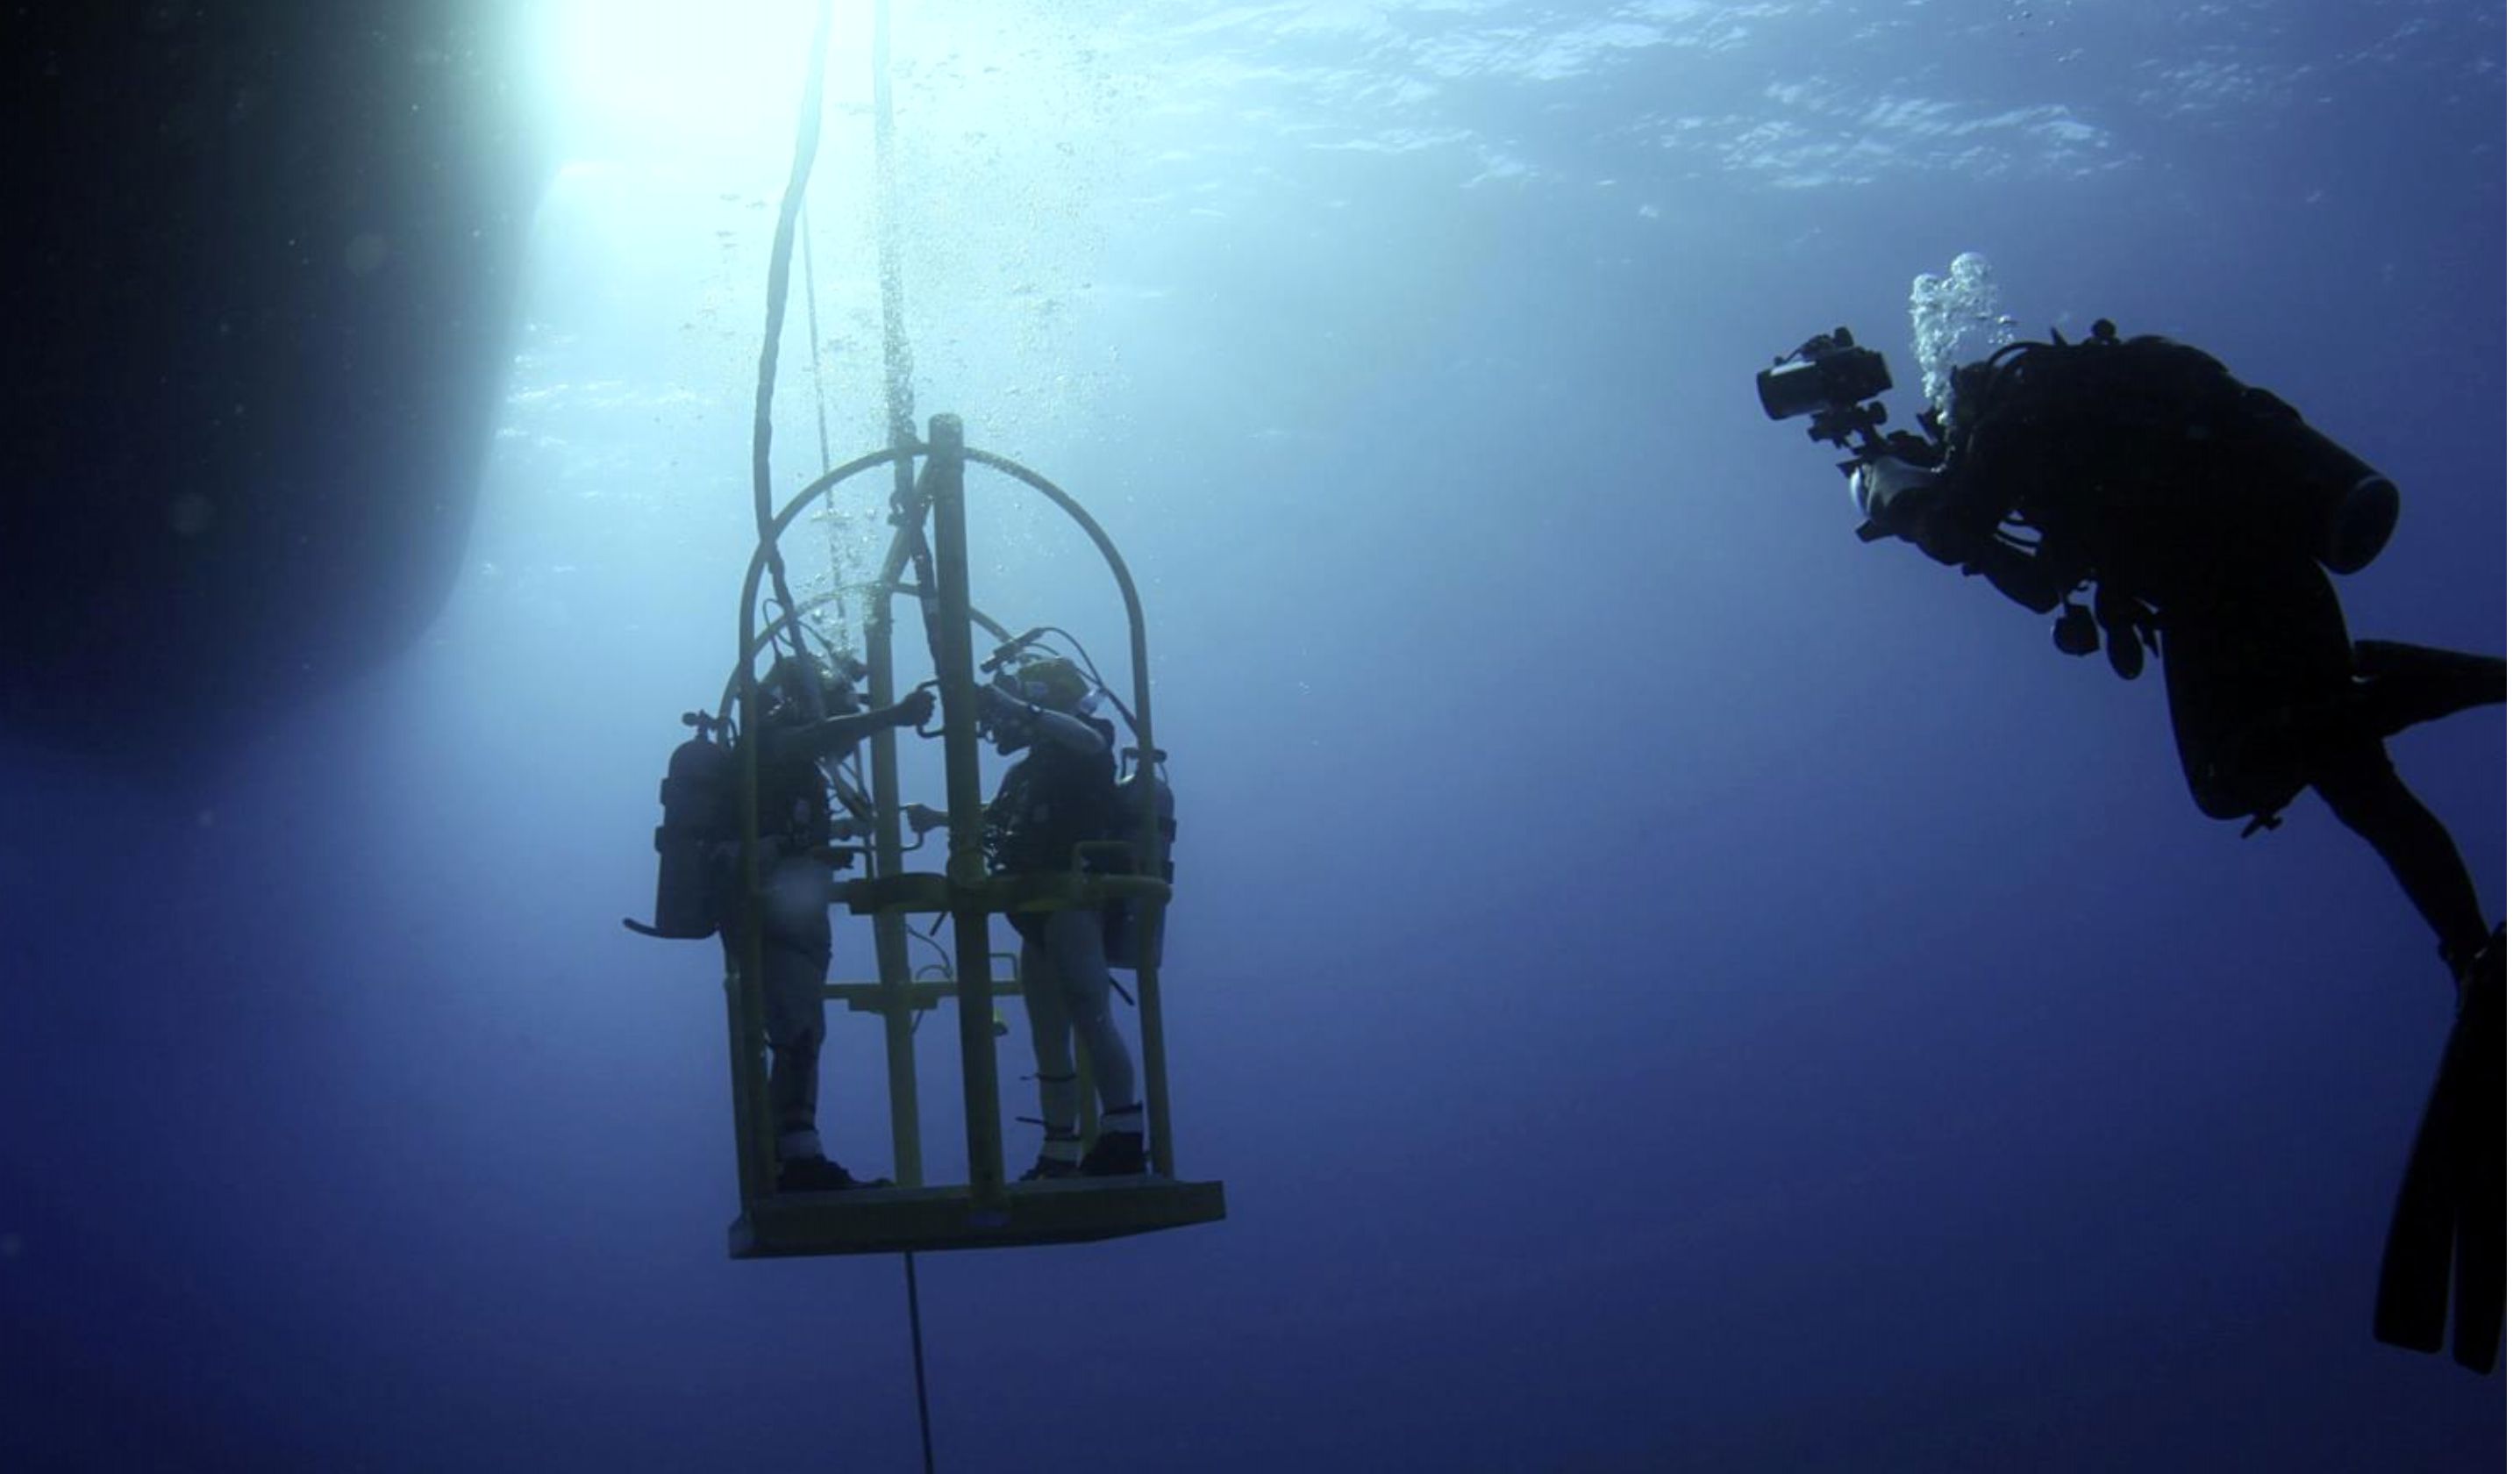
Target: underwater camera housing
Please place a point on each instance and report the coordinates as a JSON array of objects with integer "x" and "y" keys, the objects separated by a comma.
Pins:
[{"x": 1838, "y": 382}]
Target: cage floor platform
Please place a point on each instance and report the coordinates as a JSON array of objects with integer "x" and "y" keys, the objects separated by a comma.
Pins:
[{"x": 926, "y": 1219}]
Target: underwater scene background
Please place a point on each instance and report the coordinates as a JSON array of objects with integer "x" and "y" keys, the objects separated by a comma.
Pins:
[{"x": 1666, "y": 986}]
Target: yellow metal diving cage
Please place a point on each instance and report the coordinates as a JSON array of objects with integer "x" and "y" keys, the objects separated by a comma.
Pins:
[{"x": 985, "y": 1211}]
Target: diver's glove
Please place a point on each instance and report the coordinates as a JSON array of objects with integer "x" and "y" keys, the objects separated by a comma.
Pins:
[
  {"x": 1894, "y": 494},
  {"x": 1901, "y": 499}
]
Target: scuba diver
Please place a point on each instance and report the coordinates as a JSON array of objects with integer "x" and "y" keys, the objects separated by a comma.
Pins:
[
  {"x": 1063, "y": 792},
  {"x": 795, "y": 811},
  {"x": 2201, "y": 512},
  {"x": 2205, "y": 516}
]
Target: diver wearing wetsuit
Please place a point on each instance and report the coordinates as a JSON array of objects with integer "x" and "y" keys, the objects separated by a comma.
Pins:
[
  {"x": 794, "y": 811},
  {"x": 2203, "y": 510},
  {"x": 1063, "y": 792}
]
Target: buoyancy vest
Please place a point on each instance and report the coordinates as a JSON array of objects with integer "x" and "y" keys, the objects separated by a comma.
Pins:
[
  {"x": 796, "y": 801},
  {"x": 2145, "y": 461},
  {"x": 1050, "y": 801}
]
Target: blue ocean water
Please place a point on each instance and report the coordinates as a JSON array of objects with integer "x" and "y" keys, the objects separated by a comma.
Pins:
[{"x": 1666, "y": 986}]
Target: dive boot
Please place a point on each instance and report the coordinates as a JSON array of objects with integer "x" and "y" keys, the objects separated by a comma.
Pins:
[
  {"x": 820, "y": 1174},
  {"x": 1058, "y": 1157},
  {"x": 1115, "y": 1154}
]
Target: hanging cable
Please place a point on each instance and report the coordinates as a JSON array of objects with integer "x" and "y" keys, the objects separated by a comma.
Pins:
[
  {"x": 832, "y": 547},
  {"x": 919, "y": 1362},
  {"x": 897, "y": 377},
  {"x": 814, "y": 344},
  {"x": 809, "y": 133},
  {"x": 909, "y": 499},
  {"x": 908, "y": 507}
]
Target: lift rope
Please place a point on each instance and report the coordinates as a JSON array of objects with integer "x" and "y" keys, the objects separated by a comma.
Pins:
[
  {"x": 909, "y": 504},
  {"x": 902, "y": 432},
  {"x": 843, "y": 774},
  {"x": 832, "y": 545},
  {"x": 809, "y": 133},
  {"x": 897, "y": 403},
  {"x": 919, "y": 1362}
]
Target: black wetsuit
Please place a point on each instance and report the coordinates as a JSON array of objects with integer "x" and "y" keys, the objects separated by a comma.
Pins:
[
  {"x": 1048, "y": 802},
  {"x": 796, "y": 827},
  {"x": 2145, "y": 466}
]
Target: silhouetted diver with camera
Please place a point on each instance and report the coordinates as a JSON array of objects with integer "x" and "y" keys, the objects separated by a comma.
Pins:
[{"x": 2203, "y": 516}]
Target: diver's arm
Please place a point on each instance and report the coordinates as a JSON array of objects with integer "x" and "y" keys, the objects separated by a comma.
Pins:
[
  {"x": 1951, "y": 515},
  {"x": 1058, "y": 728},
  {"x": 1961, "y": 530},
  {"x": 1062, "y": 730},
  {"x": 1920, "y": 505},
  {"x": 837, "y": 734},
  {"x": 2015, "y": 573}
]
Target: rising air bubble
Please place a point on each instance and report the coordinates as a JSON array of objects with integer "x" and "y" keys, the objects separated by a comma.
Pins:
[{"x": 1956, "y": 321}]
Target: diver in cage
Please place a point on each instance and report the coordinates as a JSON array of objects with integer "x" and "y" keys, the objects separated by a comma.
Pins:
[
  {"x": 1063, "y": 792},
  {"x": 794, "y": 812}
]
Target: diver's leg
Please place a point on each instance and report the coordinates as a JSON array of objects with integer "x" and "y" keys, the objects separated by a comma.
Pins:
[
  {"x": 2247, "y": 654},
  {"x": 1052, "y": 1060},
  {"x": 1075, "y": 941},
  {"x": 2197, "y": 723},
  {"x": 2219, "y": 704},
  {"x": 2405, "y": 684},
  {"x": 2363, "y": 788},
  {"x": 796, "y": 960}
]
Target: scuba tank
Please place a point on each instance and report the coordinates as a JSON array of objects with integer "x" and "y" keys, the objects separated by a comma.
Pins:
[
  {"x": 698, "y": 795},
  {"x": 1120, "y": 918},
  {"x": 2350, "y": 509},
  {"x": 2328, "y": 499}
]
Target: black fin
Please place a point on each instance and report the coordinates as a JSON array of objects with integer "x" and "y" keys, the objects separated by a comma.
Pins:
[{"x": 2445, "y": 1237}]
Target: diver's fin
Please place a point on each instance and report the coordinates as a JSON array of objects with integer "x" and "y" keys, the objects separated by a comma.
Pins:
[
  {"x": 2483, "y": 1272},
  {"x": 2415, "y": 1266},
  {"x": 2446, "y": 1232}
]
